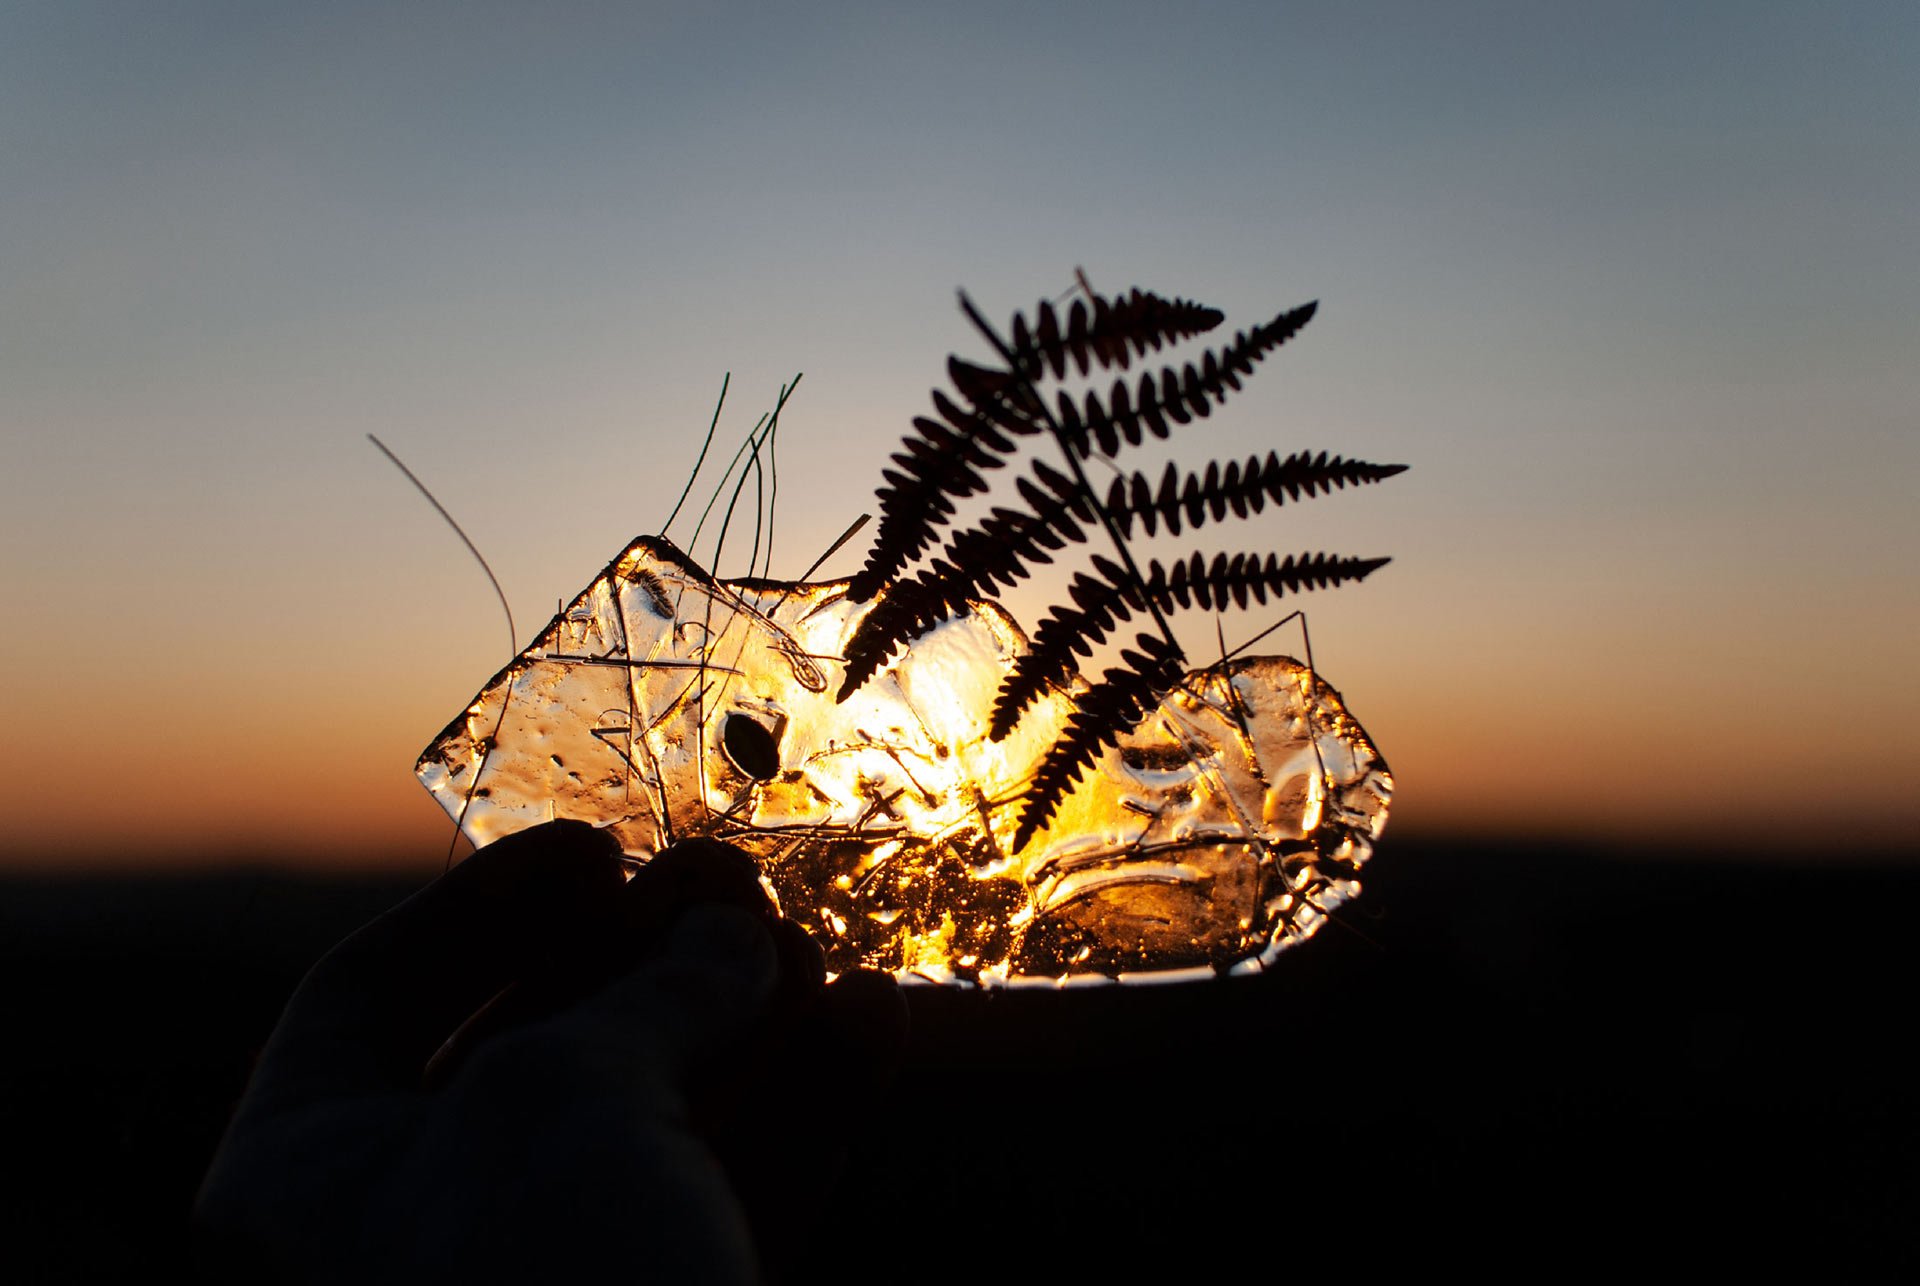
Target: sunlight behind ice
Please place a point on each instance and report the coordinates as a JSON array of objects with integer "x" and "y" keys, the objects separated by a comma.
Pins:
[{"x": 663, "y": 704}]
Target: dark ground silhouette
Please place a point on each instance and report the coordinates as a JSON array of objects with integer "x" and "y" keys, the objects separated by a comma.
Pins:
[{"x": 1535, "y": 1057}]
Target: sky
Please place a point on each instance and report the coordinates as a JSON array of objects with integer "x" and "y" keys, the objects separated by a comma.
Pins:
[{"x": 1631, "y": 287}]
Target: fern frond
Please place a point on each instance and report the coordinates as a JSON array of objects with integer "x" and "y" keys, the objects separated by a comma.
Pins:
[
  {"x": 1177, "y": 395},
  {"x": 1242, "y": 489},
  {"x": 975, "y": 563},
  {"x": 1102, "y": 602},
  {"x": 1108, "y": 336},
  {"x": 1102, "y": 715}
]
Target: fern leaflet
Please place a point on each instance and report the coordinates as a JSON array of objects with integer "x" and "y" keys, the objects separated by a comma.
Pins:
[
  {"x": 1179, "y": 396},
  {"x": 1125, "y": 694},
  {"x": 1102, "y": 602},
  {"x": 975, "y": 563},
  {"x": 1108, "y": 336},
  {"x": 941, "y": 463},
  {"x": 1243, "y": 489}
]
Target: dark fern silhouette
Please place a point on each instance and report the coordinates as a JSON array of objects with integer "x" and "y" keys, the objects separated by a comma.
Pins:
[
  {"x": 947, "y": 459},
  {"x": 1102, "y": 602}
]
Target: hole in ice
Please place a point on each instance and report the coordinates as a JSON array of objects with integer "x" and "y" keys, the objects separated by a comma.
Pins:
[{"x": 751, "y": 747}]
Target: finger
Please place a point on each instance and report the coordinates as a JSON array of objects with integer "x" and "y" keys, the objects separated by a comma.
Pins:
[
  {"x": 697, "y": 998},
  {"x": 371, "y": 1012},
  {"x": 801, "y": 978},
  {"x": 687, "y": 874},
  {"x": 803, "y": 971},
  {"x": 695, "y": 870},
  {"x": 865, "y": 1028}
]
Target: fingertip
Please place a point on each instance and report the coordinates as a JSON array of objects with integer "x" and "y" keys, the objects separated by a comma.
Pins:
[
  {"x": 705, "y": 985},
  {"x": 571, "y": 845},
  {"x": 553, "y": 872},
  {"x": 723, "y": 935},
  {"x": 702, "y": 870},
  {"x": 869, "y": 1010},
  {"x": 800, "y": 955},
  {"x": 803, "y": 968},
  {"x": 688, "y": 874}
]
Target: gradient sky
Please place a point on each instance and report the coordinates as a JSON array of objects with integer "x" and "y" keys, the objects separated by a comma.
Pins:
[{"x": 1633, "y": 288}]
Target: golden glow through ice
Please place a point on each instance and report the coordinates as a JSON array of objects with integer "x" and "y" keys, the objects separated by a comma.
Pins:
[{"x": 662, "y": 704}]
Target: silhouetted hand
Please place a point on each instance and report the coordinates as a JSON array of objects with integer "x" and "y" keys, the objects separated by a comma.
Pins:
[{"x": 531, "y": 1072}]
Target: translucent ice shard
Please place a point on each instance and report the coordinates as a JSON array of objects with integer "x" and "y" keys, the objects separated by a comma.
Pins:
[{"x": 663, "y": 704}]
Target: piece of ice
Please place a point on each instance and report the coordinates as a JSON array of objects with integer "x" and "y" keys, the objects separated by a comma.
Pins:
[{"x": 663, "y": 704}]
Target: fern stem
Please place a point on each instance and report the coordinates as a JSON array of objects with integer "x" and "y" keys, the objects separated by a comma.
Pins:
[{"x": 992, "y": 336}]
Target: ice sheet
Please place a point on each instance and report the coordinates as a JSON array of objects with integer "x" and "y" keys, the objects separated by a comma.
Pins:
[{"x": 662, "y": 704}]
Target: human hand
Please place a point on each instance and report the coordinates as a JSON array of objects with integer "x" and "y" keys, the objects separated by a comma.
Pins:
[{"x": 613, "y": 1089}]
